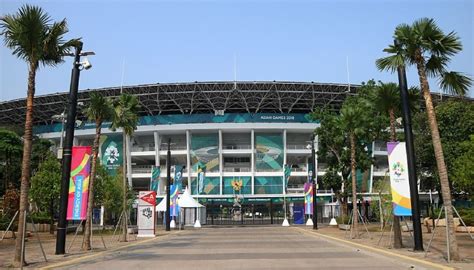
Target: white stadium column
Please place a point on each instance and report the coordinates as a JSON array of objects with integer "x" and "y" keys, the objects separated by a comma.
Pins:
[
  {"x": 221, "y": 169},
  {"x": 188, "y": 158},
  {"x": 252, "y": 158},
  {"x": 284, "y": 159},
  {"x": 129, "y": 161}
]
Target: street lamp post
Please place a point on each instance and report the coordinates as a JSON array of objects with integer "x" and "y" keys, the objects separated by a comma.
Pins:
[
  {"x": 168, "y": 180},
  {"x": 415, "y": 206},
  {"x": 314, "y": 182},
  {"x": 67, "y": 151}
]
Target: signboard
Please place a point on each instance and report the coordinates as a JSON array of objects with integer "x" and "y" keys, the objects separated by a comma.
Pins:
[
  {"x": 298, "y": 214},
  {"x": 79, "y": 183},
  {"x": 146, "y": 213},
  {"x": 198, "y": 118},
  {"x": 398, "y": 167},
  {"x": 308, "y": 198}
]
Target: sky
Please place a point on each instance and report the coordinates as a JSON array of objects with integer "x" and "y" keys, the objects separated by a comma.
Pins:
[{"x": 145, "y": 42}]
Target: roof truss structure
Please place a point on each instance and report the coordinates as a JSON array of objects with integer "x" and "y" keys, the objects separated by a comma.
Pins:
[{"x": 197, "y": 97}]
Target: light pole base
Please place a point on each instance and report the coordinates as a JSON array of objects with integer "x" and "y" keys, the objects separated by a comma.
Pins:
[
  {"x": 172, "y": 224},
  {"x": 197, "y": 224},
  {"x": 309, "y": 222},
  {"x": 285, "y": 223},
  {"x": 333, "y": 222}
]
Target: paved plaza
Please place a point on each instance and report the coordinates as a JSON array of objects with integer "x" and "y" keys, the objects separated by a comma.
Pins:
[{"x": 244, "y": 248}]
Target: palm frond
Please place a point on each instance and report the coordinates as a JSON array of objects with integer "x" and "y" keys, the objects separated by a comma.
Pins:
[
  {"x": 436, "y": 65},
  {"x": 455, "y": 83},
  {"x": 390, "y": 63}
]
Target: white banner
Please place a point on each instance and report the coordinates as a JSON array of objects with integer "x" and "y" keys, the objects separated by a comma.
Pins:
[
  {"x": 146, "y": 214},
  {"x": 398, "y": 167}
]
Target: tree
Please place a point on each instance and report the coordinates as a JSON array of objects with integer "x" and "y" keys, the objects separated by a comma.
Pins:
[
  {"x": 10, "y": 153},
  {"x": 125, "y": 117},
  {"x": 386, "y": 100},
  {"x": 99, "y": 110},
  {"x": 45, "y": 186},
  {"x": 36, "y": 40},
  {"x": 456, "y": 124},
  {"x": 463, "y": 170},
  {"x": 426, "y": 46},
  {"x": 355, "y": 126}
]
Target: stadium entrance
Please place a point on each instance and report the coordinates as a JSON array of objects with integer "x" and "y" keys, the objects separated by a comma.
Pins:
[{"x": 257, "y": 213}]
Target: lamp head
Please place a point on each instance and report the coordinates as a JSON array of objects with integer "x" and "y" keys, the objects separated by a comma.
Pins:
[{"x": 86, "y": 64}]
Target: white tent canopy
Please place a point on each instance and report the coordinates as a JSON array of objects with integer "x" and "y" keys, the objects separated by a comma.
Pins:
[{"x": 185, "y": 200}]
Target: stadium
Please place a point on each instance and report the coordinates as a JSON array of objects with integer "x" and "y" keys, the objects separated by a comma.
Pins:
[{"x": 239, "y": 130}]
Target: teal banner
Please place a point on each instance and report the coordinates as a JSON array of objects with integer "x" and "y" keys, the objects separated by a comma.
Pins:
[
  {"x": 155, "y": 178},
  {"x": 205, "y": 151},
  {"x": 210, "y": 186},
  {"x": 197, "y": 118},
  {"x": 246, "y": 185},
  {"x": 268, "y": 185},
  {"x": 112, "y": 152},
  {"x": 269, "y": 152}
]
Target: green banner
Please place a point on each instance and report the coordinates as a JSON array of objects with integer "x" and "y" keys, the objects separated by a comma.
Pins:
[{"x": 112, "y": 152}]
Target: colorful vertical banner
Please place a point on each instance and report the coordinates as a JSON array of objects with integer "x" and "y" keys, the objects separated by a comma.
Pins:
[
  {"x": 308, "y": 198},
  {"x": 398, "y": 167},
  {"x": 79, "y": 183},
  {"x": 174, "y": 208},
  {"x": 287, "y": 173},
  {"x": 146, "y": 214},
  {"x": 201, "y": 174},
  {"x": 155, "y": 178}
]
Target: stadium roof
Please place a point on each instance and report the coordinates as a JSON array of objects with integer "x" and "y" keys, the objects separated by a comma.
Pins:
[{"x": 197, "y": 97}]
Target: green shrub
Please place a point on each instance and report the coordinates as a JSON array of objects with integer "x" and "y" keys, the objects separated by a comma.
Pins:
[
  {"x": 40, "y": 218},
  {"x": 5, "y": 220},
  {"x": 467, "y": 215},
  {"x": 342, "y": 219}
]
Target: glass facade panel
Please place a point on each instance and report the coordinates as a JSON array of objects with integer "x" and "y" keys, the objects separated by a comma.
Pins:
[
  {"x": 205, "y": 150},
  {"x": 269, "y": 152},
  {"x": 246, "y": 185},
  {"x": 268, "y": 185},
  {"x": 211, "y": 186}
]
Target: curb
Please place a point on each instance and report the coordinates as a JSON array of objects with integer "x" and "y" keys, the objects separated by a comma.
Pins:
[
  {"x": 379, "y": 251},
  {"x": 69, "y": 262}
]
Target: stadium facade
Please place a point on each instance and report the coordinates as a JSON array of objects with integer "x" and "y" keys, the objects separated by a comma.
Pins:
[{"x": 238, "y": 130}]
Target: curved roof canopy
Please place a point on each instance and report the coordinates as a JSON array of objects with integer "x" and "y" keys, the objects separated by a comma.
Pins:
[{"x": 197, "y": 97}]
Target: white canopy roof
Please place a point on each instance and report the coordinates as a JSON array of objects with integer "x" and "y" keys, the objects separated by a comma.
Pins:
[{"x": 185, "y": 200}]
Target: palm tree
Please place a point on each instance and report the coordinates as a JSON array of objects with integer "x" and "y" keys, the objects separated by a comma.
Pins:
[
  {"x": 387, "y": 101},
  {"x": 99, "y": 110},
  {"x": 424, "y": 45},
  {"x": 126, "y": 117},
  {"x": 353, "y": 120},
  {"x": 36, "y": 40}
]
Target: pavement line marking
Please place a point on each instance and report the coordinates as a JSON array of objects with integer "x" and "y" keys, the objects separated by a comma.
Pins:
[
  {"x": 386, "y": 252},
  {"x": 68, "y": 262}
]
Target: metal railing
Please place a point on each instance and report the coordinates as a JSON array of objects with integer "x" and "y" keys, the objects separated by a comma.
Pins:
[
  {"x": 173, "y": 147},
  {"x": 142, "y": 148},
  {"x": 296, "y": 146},
  {"x": 237, "y": 147},
  {"x": 303, "y": 169},
  {"x": 236, "y": 169}
]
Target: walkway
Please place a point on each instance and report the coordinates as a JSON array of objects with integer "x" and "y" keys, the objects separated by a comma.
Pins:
[{"x": 242, "y": 248}]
